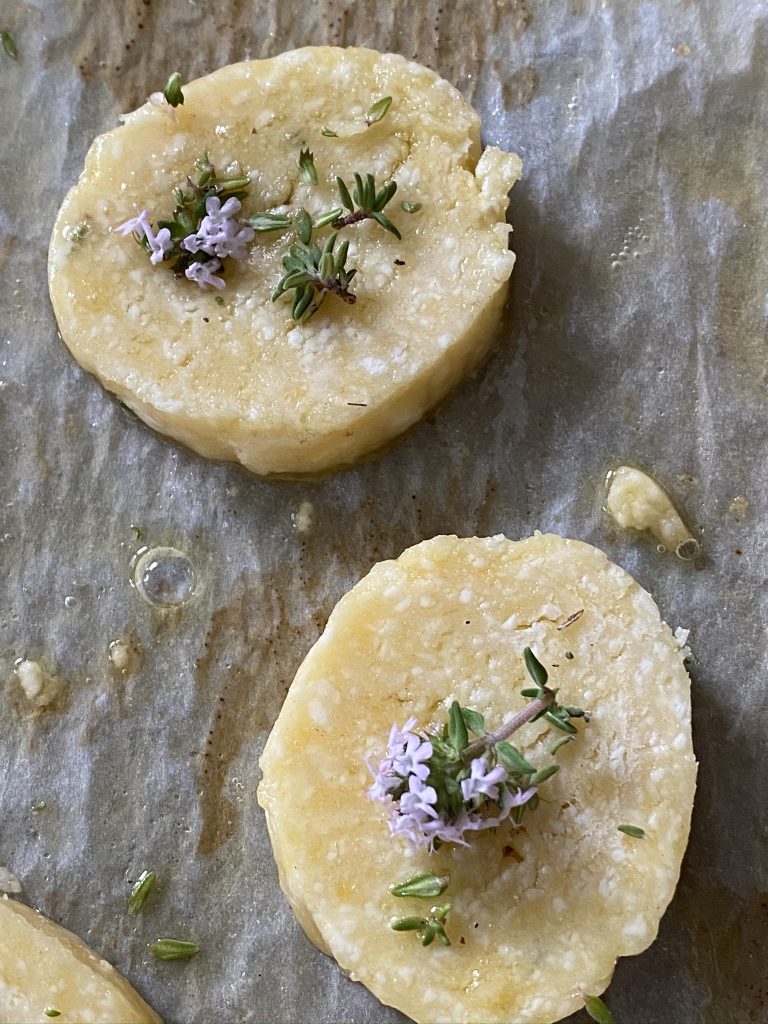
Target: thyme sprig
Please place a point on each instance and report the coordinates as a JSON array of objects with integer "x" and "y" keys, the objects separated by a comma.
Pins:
[
  {"x": 430, "y": 928},
  {"x": 441, "y": 785},
  {"x": 203, "y": 230},
  {"x": 366, "y": 202},
  {"x": 313, "y": 272}
]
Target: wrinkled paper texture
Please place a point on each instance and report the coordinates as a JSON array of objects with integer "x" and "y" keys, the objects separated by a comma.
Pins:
[{"x": 636, "y": 332}]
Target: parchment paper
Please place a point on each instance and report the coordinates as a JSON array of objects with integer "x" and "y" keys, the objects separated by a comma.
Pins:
[{"x": 636, "y": 332}]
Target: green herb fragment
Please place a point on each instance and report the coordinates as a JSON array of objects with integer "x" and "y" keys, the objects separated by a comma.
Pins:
[
  {"x": 269, "y": 222},
  {"x": 327, "y": 218},
  {"x": 422, "y": 886},
  {"x": 312, "y": 273},
  {"x": 560, "y": 743},
  {"x": 532, "y": 691},
  {"x": 512, "y": 759},
  {"x": 219, "y": 300},
  {"x": 457, "y": 729},
  {"x": 410, "y": 207},
  {"x": 303, "y": 224},
  {"x": 431, "y": 928},
  {"x": 598, "y": 1011},
  {"x": 49, "y": 1011},
  {"x": 173, "y": 949},
  {"x": 141, "y": 889},
  {"x": 569, "y": 655},
  {"x": 559, "y": 719},
  {"x": 544, "y": 773},
  {"x": 172, "y": 91},
  {"x": 8, "y": 45},
  {"x": 408, "y": 924},
  {"x": 536, "y": 670},
  {"x": 378, "y": 110},
  {"x": 306, "y": 164},
  {"x": 632, "y": 830},
  {"x": 473, "y": 721},
  {"x": 39, "y": 806},
  {"x": 366, "y": 202},
  {"x": 329, "y": 133}
]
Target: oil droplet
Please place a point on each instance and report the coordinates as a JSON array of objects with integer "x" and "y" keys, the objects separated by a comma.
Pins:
[
  {"x": 69, "y": 601},
  {"x": 164, "y": 577},
  {"x": 688, "y": 549}
]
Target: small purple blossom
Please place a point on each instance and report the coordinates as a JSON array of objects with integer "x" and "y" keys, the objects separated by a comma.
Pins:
[
  {"x": 137, "y": 225},
  {"x": 160, "y": 244},
  {"x": 401, "y": 781},
  {"x": 203, "y": 274},
  {"x": 482, "y": 782},
  {"x": 219, "y": 233}
]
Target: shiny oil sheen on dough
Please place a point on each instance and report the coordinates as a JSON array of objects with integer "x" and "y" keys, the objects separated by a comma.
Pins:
[
  {"x": 250, "y": 384},
  {"x": 43, "y": 966},
  {"x": 540, "y": 914}
]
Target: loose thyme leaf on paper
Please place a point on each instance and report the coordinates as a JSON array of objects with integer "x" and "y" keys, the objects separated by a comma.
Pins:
[
  {"x": 173, "y": 949},
  {"x": 598, "y": 1011},
  {"x": 8, "y": 44},
  {"x": 141, "y": 889}
]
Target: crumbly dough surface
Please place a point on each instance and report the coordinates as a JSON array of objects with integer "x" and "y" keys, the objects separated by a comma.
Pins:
[
  {"x": 539, "y": 914},
  {"x": 44, "y": 967},
  {"x": 243, "y": 381}
]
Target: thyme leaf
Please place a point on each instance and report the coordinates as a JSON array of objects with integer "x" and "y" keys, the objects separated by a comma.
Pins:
[
  {"x": 8, "y": 44},
  {"x": 422, "y": 886},
  {"x": 632, "y": 830},
  {"x": 173, "y": 949},
  {"x": 172, "y": 91},
  {"x": 306, "y": 165},
  {"x": 598, "y": 1011},
  {"x": 378, "y": 110},
  {"x": 145, "y": 883}
]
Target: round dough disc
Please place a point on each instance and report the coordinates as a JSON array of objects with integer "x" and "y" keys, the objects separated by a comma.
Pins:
[
  {"x": 541, "y": 913},
  {"x": 243, "y": 380}
]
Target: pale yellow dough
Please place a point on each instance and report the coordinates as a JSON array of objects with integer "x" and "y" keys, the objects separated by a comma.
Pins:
[
  {"x": 248, "y": 383},
  {"x": 539, "y": 915},
  {"x": 44, "y": 967}
]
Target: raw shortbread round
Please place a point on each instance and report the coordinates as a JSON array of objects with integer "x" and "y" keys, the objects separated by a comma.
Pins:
[
  {"x": 244, "y": 381},
  {"x": 540, "y": 914},
  {"x": 44, "y": 967}
]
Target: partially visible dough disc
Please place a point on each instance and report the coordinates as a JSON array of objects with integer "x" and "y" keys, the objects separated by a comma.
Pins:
[
  {"x": 540, "y": 914},
  {"x": 243, "y": 381},
  {"x": 44, "y": 967}
]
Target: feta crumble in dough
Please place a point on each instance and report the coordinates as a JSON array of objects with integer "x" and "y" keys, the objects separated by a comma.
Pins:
[
  {"x": 43, "y": 967},
  {"x": 251, "y": 384},
  {"x": 540, "y": 914}
]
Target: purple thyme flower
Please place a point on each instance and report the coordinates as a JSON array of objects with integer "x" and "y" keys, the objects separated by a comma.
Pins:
[
  {"x": 481, "y": 782},
  {"x": 203, "y": 274},
  {"x": 160, "y": 244},
  {"x": 219, "y": 233}
]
